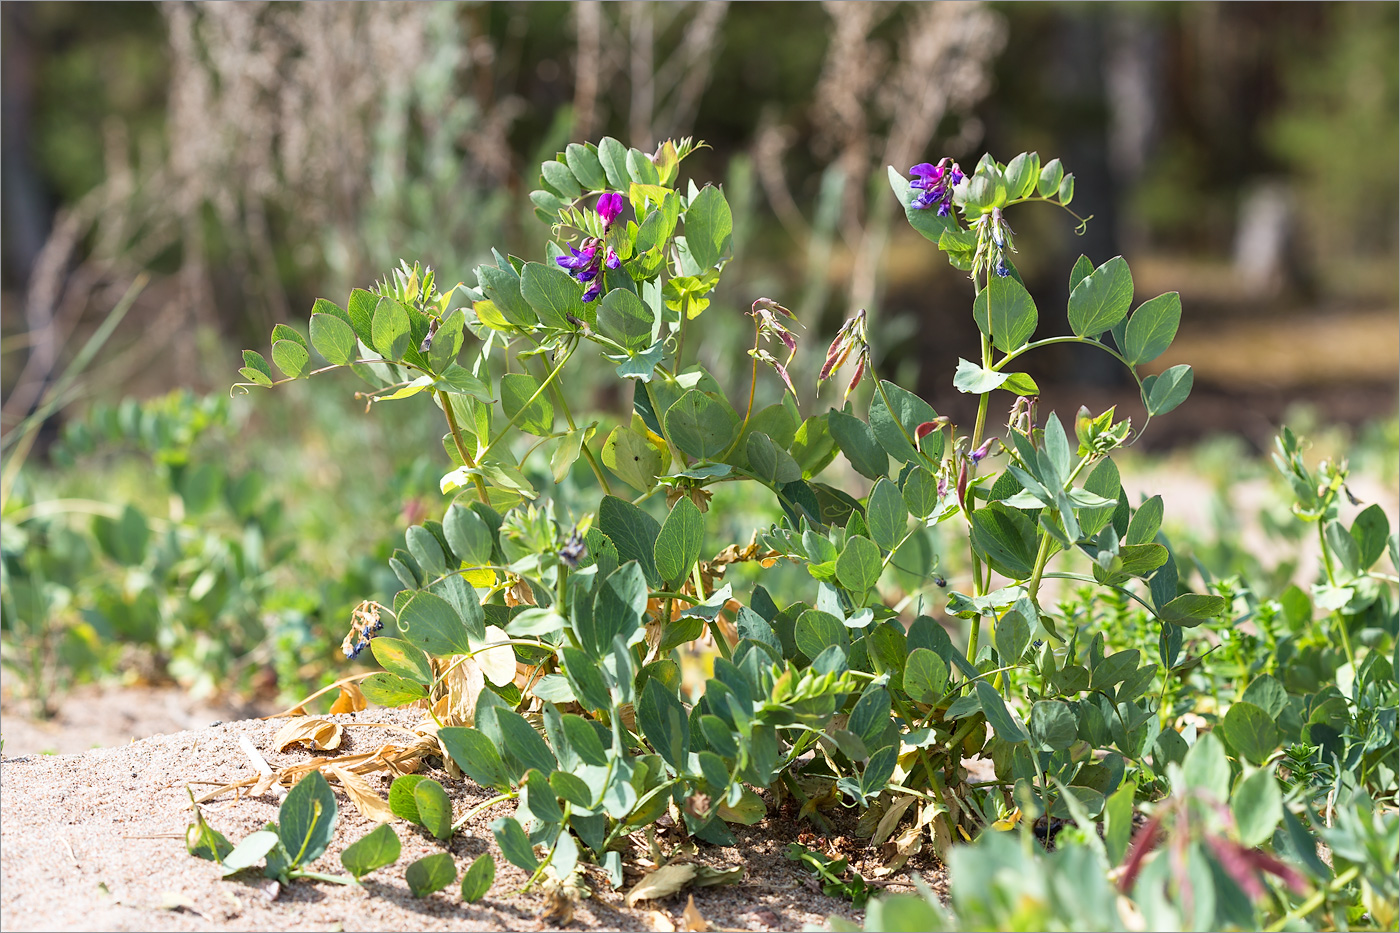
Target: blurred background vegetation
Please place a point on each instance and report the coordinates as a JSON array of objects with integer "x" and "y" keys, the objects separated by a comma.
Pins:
[{"x": 209, "y": 170}]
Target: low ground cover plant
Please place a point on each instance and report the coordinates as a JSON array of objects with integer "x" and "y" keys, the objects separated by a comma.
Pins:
[{"x": 545, "y": 643}]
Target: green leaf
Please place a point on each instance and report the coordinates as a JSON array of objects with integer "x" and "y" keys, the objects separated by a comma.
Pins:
[
  {"x": 632, "y": 456},
  {"x": 447, "y": 342},
  {"x": 769, "y": 462},
  {"x": 291, "y": 357},
  {"x": 709, "y": 227},
  {"x": 481, "y": 874},
  {"x": 663, "y": 721},
  {"x": 1163, "y": 393},
  {"x": 434, "y": 808},
  {"x": 1050, "y": 177},
  {"x": 1021, "y": 174},
  {"x": 391, "y": 330},
  {"x": 925, "y": 220},
  {"x": 1118, "y": 822},
  {"x": 426, "y": 550},
  {"x": 878, "y": 771},
  {"x": 1145, "y": 522},
  {"x": 1101, "y": 299},
  {"x": 1268, "y": 694},
  {"x": 641, "y": 169},
  {"x": 333, "y": 338},
  {"x": 870, "y": 717},
  {"x": 402, "y": 659},
  {"x": 1206, "y": 768},
  {"x": 431, "y": 873},
  {"x": 391, "y": 689},
  {"x": 553, "y": 294},
  {"x": 858, "y": 567},
  {"x": 502, "y": 287},
  {"x": 700, "y": 425},
  {"x": 921, "y": 493},
  {"x": 925, "y": 676},
  {"x": 1065, "y": 194},
  {"x": 1007, "y": 537},
  {"x": 360, "y": 310},
  {"x": 633, "y": 532},
  {"x": 998, "y": 716},
  {"x": 1053, "y": 725},
  {"x": 542, "y": 802},
  {"x": 1013, "y": 634},
  {"x": 467, "y": 535},
  {"x": 1371, "y": 530},
  {"x": 1191, "y": 609},
  {"x": 558, "y": 176},
  {"x": 429, "y": 622},
  {"x": 585, "y": 677},
  {"x": 583, "y": 738},
  {"x": 624, "y": 318},
  {"x": 885, "y": 515},
  {"x": 1007, "y": 313},
  {"x": 617, "y": 610},
  {"x": 857, "y": 441},
  {"x": 523, "y": 745},
  {"x": 537, "y": 417},
  {"x": 476, "y": 755},
  {"x": 376, "y": 849},
  {"x": 1257, "y": 805},
  {"x": 678, "y": 545},
  {"x": 1250, "y": 731},
  {"x": 572, "y": 787},
  {"x": 814, "y": 447},
  {"x": 972, "y": 379},
  {"x": 1152, "y": 328},
  {"x": 816, "y": 631},
  {"x": 514, "y": 844},
  {"x": 909, "y": 412},
  {"x": 256, "y": 369},
  {"x": 583, "y": 162},
  {"x": 306, "y": 819},
  {"x": 613, "y": 157},
  {"x": 249, "y": 851}
]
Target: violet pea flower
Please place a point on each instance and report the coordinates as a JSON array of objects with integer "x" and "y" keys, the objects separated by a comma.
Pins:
[
  {"x": 580, "y": 260},
  {"x": 609, "y": 206}
]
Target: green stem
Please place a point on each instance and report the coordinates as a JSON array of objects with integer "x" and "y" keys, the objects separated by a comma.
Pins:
[
  {"x": 753, "y": 384},
  {"x": 549, "y": 857},
  {"x": 296, "y": 873},
  {"x": 553, "y": 374},
  {"x": 1041, "y": 557},
  {"x": 597, "y": 468},
  {"x": 461, "y": 444},
  {"x": 1316, "y": 901}
]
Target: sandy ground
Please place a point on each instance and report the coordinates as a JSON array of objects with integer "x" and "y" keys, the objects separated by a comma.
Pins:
[{"x": 94, "y": 841}]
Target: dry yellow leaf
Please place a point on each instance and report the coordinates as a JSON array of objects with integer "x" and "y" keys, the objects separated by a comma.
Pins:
[
  {"x": 661, "y": 923},
  {"x": 351, "y": 700},
  {"x": 370, "y": 804},
  {"x": 665, "y": 881},
  {"x": 691, "y": 918},
  {"x": 891, "y": 819},
  {"x": 320, "y": 734}
]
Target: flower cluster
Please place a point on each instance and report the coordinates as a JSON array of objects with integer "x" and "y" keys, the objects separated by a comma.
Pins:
[
  {"x": 993, "y": 243},
  {"x": 937, "y": 183},
  {"x": 573, "y": 551},
  {"x": 586, "y": 262},
  {"x": 364, "y": 625},
  {"x": 851, "y": 338},
  {"x": 770, "y": 326}
]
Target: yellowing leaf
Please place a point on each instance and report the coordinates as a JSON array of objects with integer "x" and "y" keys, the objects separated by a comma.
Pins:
[
  {"x": 663, "y": 882},
  {"x": 498, "y": 663},
  {"x": 1009, "y": 821},
  {"x": 371, "y": 805},
  {"x": 483, "y": 578},
  {"x": 890, "y": 820},
  {"x": 320, "y": 734},
  {"x": 351, "y": 700}
]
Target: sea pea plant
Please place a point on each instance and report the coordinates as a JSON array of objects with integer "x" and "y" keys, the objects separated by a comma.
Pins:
[{"x": 574, "y": 623}]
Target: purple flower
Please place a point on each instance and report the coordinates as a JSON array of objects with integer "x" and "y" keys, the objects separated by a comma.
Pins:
[
  {"x": 580, "y": 260},
  {"x": 937, "y": 183},
  {"x": 609, "y": 206},
  {"x": 1002, "y": 268},
  {"x": 592, "y": 292},
  {"x": 612, "y": 262}
]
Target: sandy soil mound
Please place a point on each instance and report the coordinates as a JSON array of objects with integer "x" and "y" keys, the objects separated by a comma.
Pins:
[{"x": 95, "y": 841}]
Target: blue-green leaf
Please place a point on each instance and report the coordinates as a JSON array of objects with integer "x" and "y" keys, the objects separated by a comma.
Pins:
[
  {"x": 1101, "y": 299},
  {"x": 1152, "y": 328}
]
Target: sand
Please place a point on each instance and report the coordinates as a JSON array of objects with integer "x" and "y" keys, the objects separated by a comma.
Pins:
[{"x": 95, "y": 841}]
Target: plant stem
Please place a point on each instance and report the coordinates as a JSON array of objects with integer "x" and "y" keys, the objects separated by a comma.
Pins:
[
  {"x": 1332, "y": 580},
  {"x": 553, "y": 374},
  {"x": 486, "y": 805},
  {"x": 563, "y": 404},
  {"x": 1316, "y": 901},
  {"x": 461, "y": 444},
  {"x": 753, "y": 384},
  {"x": 317, "y": 876},
  {"x": 1041, "y": 557}
]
